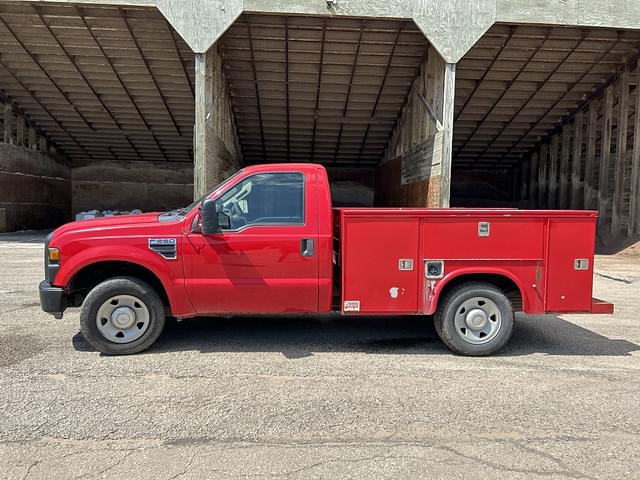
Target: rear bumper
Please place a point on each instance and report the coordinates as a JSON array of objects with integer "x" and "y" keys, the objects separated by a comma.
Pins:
[
  {"x": 601, "y": 307},
  {"x": 52, "y": 299}
]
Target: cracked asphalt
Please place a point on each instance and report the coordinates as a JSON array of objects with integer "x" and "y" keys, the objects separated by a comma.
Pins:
[{"x": 321, "y": 398}]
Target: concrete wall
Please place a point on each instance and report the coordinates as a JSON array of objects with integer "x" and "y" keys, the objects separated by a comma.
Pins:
[
  {"x": 35, "y": 189},
  {"x": 111, "y": 185},
  {"x": 410, "y": 174}
]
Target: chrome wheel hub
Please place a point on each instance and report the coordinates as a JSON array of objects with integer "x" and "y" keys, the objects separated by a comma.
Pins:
[
  {"x": 123, "y": 319},
  {"x": 478, "y": 320}
]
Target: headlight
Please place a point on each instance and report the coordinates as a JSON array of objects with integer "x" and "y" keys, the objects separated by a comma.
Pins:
[{"x": 54, "y": 255}]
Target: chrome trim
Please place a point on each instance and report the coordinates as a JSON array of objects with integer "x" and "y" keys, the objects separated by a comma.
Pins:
[
  {"x": 581, "y": 264},
  {"x": 165, "y": 247},
  {"x": 405, "y": 264}
]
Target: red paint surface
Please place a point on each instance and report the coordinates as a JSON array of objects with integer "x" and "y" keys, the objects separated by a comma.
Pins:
[
  {"x": 569, "y": 290},
  {"x": 260, "y": 269},
  {"x": 371, "y": 251}
]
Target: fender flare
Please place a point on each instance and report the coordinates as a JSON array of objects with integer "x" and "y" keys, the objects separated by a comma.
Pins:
[
  {"x": 173, "y": 286},
  {"x": 433, "y": 300}
]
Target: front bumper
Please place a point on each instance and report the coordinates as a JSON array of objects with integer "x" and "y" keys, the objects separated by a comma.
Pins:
[{"x": 52, "y": 299}]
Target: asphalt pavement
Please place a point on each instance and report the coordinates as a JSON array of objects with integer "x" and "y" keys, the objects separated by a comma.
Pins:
[{"x": 318, "y": 397}]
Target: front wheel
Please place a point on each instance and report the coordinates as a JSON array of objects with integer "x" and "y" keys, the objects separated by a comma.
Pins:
[
  {"x": 122, "y": 316},
  {"x": 474, "y": 319}
]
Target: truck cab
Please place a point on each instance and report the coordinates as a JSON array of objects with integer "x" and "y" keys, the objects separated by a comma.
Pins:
[
  {"x": 267, "y": 241},
  {"x": 270, "y": 250}
]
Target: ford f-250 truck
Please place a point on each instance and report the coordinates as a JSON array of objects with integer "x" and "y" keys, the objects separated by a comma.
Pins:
[{"x": 268, "y": 241}]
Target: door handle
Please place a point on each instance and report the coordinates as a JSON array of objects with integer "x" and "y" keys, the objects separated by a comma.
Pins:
[{"x": 307, "y": 247}]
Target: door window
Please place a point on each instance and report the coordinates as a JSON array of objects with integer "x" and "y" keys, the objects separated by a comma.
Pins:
[{"x": 265, "y": 199}]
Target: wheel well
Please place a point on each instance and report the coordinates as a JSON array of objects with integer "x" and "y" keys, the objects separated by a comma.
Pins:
[
  {"x": 505, "y": 284},
  {"x": 91, "y": 275}
]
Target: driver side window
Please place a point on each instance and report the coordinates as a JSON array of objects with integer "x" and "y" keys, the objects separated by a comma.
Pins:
[{"x": 265, "y": 199}]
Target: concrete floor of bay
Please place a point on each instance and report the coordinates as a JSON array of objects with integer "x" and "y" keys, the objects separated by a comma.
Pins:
[{"x": 318, "y": 397}]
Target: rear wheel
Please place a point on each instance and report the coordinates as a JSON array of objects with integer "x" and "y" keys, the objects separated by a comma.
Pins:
[
  {"x": 122, "y": 316},
  {"x": 474, "y": 319}
]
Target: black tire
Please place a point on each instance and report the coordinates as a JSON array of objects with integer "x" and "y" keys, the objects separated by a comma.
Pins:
[
  {"x": 453, "y": 337},
  {"x": 121, "y": 286}
]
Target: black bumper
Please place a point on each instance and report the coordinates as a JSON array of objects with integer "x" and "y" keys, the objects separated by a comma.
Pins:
[{"x": 52, "y": 299}]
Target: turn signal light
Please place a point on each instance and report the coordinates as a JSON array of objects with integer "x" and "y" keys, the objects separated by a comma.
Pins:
[{"x": 54, "y": 255}]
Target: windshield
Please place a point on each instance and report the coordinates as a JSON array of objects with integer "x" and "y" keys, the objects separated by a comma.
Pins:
[{"x": 188, "y": 208}]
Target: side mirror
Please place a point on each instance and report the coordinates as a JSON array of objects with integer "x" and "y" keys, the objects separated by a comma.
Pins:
[{"x": 209, "y": 218}]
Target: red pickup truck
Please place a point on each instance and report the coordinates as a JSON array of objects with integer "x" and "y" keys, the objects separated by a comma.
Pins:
[{"x": 268, "y": 241}]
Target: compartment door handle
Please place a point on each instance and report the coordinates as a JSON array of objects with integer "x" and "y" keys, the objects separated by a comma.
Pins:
[{"x": 307, "y": 247}]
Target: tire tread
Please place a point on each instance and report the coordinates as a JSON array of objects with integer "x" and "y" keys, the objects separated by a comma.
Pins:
[
  {"x": 126, "y": 285},
  {"x": 447, "y": 336}
]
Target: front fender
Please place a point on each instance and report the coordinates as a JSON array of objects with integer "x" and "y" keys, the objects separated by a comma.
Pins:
[{"x": 168, "y": 272}]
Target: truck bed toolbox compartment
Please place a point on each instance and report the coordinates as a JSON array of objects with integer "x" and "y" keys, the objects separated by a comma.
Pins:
[
  {"x": 545, "y": 258},
  {"x": 570, "y": 264},
  {"x": 380, "y": 265}
]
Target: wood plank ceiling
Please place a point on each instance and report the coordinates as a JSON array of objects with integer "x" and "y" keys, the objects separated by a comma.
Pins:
[
  {"x": 325, "y": 90},
  {"x": 109, "y": 83},
  {"x": 104, "y": 83},
  {"x": 518, "y": 82}
]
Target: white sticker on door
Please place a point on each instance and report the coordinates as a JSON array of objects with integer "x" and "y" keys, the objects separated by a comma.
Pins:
[{"x": 351, "y": 306}]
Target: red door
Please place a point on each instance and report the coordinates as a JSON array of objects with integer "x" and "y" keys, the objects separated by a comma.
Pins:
[
  {"x": 570, "y": 269},
  {"x": 267, "y": 261},
  {"x": 380, "y": 265}
]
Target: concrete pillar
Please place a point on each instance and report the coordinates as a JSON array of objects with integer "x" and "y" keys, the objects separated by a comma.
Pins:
[
  {"x": 8, "y": 123},
  {"x": 590, "y": 187},
  {"x": 217, "y": 151},
  {"x": 604, "y": 192},
  {"x": 515, "y": 184},
  {"x": 205, "y": 171},
  {"x": 416, "y": 167},
  {"x": 20, "y": 130},
  {"x": 552, "y": 201},
  {"x": 33, "y": 145},
  {"x": 577, "y": 184},
  {"x": 543, "y": 176},
  {"x": 524, "y": 181},
  {"x": 621, "y": 156},
  {"x": 533, "y": 180},
  {"x": 634, "y": 199},
  {"x": 565, "y": 167},
  {"x": 448, "y": 102}
]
